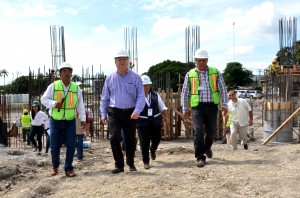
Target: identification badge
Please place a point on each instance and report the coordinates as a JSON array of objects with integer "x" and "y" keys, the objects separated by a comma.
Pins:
[{"x": 149, "y": 112}]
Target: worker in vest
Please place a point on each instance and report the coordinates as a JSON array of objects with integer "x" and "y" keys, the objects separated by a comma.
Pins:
[
  {"x": 150, "y": 121},
  {"x": 204, "y": 91},
  {"x": 64, "y": 99},
  {"x": 26, "y": 123},
  {"x": 273, "y": 69}
]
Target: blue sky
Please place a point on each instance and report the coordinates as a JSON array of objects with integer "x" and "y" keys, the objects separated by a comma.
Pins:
[{"x": 94, "y": 31}]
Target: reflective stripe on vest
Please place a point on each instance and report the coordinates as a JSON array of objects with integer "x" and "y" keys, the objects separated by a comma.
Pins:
[
  {"x": 68, "y": 110},
  {"x": 195, "y": 83}
]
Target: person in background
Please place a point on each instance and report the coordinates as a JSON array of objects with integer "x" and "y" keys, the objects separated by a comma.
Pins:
[
  {"x": 91, "y": 124},
  {"x": 80, "y": 135},
  {"x": 26, "y": 124},
  {"x": 240, "y": 117},
  {"x": 150, "y": 121},
  {"x": 122, "y": 99},
  {"x": 204, "y": 90},
  {"x": 47, "y": 130},
  {"x": 64, "y": 98},
  {"x": 38, "y": 119}
]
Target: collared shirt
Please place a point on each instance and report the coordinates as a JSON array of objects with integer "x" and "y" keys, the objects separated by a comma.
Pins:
[
  {"x": 47, "y": 100},
  {"x": 39, "y": 119},
  {"x": 122, "y": 92},
  {"x": 239, "y": 111},
  {"x": 204, "y": 89}
]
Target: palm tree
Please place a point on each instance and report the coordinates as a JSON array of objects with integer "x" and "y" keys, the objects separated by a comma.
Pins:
[{"x": 3, "y": 73}]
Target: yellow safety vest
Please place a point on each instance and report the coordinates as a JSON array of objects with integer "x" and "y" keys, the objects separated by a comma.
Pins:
[
  {"x": 195, "y": 83},
  {"x": 68, "y": 111},
  {"x": 26, "y": 123}
]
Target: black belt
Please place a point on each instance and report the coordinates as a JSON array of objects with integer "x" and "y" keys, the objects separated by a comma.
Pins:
[
  {"x": 124, "y": 110},
  {"x": 206, "y": 103}
]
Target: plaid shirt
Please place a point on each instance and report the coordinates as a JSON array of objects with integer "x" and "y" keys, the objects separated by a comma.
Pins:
[{"x": 205, "y": 93}]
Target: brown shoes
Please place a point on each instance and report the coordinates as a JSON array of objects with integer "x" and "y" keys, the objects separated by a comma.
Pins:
[
  {"x": 54, "y": 171},
  {"x": 70, "y": 173}
]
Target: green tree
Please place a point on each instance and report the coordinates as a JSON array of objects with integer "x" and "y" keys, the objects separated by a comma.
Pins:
[
  {"x": 20, "y": 85},
  {"x": 3, "y": 73},
  {"x": 235, "y": 75},
  {"x": 168, "y": 74},
  {"x": 76, "y": 78}
]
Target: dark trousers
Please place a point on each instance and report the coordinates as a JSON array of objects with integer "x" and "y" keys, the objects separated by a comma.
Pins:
[
  {"x": 118, "y": 119},
  {"x": 205, "y": 121},
  {"x": 38, "y": 131},
  {"x": 146, "y": 135},
  {"x": 25, "y": 132}
]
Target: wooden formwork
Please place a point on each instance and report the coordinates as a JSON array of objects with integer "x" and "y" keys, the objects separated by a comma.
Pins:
[{"x": 177, "y": 122}]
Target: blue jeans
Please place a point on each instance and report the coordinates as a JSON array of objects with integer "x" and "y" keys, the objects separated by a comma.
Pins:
[
  {"x": 79, "y": 146},
  {"x": 205, "y": 122},
  {"x": 62, "y": 129}
]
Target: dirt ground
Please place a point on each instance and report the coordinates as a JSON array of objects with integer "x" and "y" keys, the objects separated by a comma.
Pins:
[
  {"x": 271, "y": 170},
  {"x": 262, "y": 171}
]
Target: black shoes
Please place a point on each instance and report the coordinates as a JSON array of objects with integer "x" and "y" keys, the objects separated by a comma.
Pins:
[
  {"x": 201, "y": 163},
  {"x": 153, "y": 155},
  {"x": 246, "y": 146},
  {"x": 146, "y": 166},
  {"x": 131, "y": 167},
  {"x": 209, "y": 153},
  {"x": 117, "y": 170}
]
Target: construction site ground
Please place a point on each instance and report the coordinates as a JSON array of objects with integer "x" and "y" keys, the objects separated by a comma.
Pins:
[{"x": 270, "y": 170}]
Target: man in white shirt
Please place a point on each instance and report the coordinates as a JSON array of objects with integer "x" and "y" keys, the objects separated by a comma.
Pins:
[{"x": 241, "y": 117}]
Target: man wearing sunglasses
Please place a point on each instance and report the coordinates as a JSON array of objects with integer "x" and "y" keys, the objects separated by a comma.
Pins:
[{"x": 240, "y": 117}]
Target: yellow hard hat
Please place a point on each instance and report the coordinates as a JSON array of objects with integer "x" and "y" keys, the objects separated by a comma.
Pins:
[
  {"x": 25, "y": 111},
  {"x": 274, "y": 61}
]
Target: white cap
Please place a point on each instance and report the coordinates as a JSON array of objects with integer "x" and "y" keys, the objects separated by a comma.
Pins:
[
  {"x": 121, "y": 53},
  {"x": 65, "y": 65},
  {"x": 201, "y": 54},
  {"x": 146, "y": 80}
]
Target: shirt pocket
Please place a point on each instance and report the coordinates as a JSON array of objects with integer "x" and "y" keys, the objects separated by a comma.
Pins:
[{"x": 130, "y": 88}]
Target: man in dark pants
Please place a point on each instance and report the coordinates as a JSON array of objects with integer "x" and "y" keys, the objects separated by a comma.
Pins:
[
  {"x": 122, "y": 100},
  {"x": 203, "y": 89}
]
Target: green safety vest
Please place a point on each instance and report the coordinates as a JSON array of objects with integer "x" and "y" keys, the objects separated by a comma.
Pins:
[
  {"x": 195, "y": 83},
  {"x": 68, "y": 110},
  {"x": 26, "y": 123}
]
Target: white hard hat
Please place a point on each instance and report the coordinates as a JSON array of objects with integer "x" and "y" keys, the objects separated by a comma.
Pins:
[
  {"x": 65, "y": 65},
  {"x": 201, "y": 54},
  {"x": 121, "y": 53},
  {"x": 146, "y": 80}
]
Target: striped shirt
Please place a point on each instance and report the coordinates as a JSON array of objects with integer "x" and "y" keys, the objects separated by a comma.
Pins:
[
  {"x": 204, "y": 90},
  {"x": 123, "y": 92}
]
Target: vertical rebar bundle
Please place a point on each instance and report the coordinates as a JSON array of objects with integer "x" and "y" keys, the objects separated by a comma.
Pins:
[
  {"x": 57, "y": 46},
  {"x": 192, "y": 42},
  {"x": 130, "y": 39},
  {"x": 287, "y": 40}
]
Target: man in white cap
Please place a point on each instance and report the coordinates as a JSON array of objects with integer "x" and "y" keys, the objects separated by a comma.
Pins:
[
  {"x": 64, "y": 99},
  {"x": 203, "y": 90},
  {"x": 122, "y": 100}
]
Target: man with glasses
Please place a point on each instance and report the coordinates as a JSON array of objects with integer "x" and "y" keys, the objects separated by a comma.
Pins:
[
  {"x": 203, "y": 90},
  {"x": 240, "y": 117},
  {"x": 122, "y": 100}
]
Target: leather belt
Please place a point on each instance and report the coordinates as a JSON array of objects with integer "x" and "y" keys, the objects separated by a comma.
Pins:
[{"x": 124, "y": 110}]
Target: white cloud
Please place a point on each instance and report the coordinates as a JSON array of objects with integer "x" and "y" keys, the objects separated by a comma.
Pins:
[
  {"x": 166, "y": 26},
  {"x": 71, "y": 11},
  {"x": 99, "y": 29}
]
